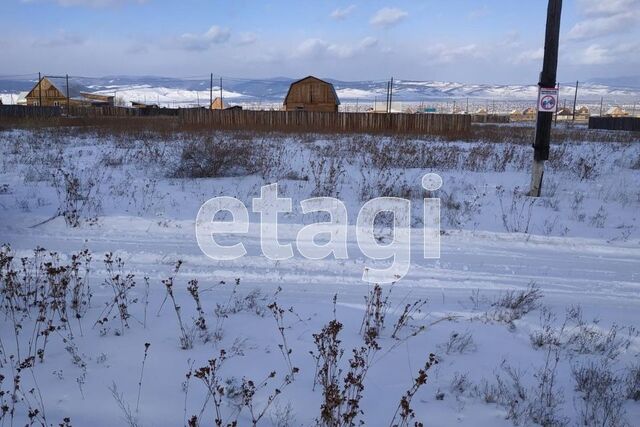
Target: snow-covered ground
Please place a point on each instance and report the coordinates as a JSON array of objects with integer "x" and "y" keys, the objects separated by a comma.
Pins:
[{"x": 531, "y": 309}]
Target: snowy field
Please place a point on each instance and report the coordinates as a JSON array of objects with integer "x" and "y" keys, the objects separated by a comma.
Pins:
[{"x": 112, "y": 315}]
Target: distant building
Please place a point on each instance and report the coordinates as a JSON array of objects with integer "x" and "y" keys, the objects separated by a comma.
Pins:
[
  {"x": 529, "y": 112},
  {"x": 616, "y": 112},
  {"x": 136, "y": 104},
  {"x": 583, "y": 111},
  {"x": 311, "y": 94},
  {"x": 482, "y": 111},
  {"x": 564, "y": 111},
  {"x": 218, "y": 104},
  {"x": 53, "y": 92},
  {"x": 98, "y": 100}
]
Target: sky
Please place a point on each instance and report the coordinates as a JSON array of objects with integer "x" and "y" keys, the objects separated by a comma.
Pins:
[{"x": 492, "y": 41}]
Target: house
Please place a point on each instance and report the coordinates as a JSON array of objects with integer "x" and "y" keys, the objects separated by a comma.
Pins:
[
  {"x": 482, "y": 111},
  {"x": 98, "y": 100},
  {"x": 218, "y": 104},
  {"x": 582, "y": 111},
  {"x": 53, "y": 92},
  {"x": 616, "y": 112},
  {"x": 529, "y": 112},
  {"x": 311, "y": 94},
  {"x": 565, "y": 112},
  {"x": 136, "y": 104}
]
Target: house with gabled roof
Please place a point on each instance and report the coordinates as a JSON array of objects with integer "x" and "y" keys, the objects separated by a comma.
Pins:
[
  {"x": 311, "y": 94},
  {"x": 53, "y": 92}
]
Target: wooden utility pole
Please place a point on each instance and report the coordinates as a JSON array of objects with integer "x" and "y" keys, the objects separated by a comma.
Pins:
[
  {"x": 211, "y": 91},
  {"x": 387, "y": 100},
  {"x": 221, "y": 103},
  {"x": 39, "y": 90},
  {"x": 601, "y": 101},
  {"x": 547, "y": 80},
  {"x": 68, "y": 99},
  {"x": 391, "y": 94},
  {"x": 575, "y": 101}
]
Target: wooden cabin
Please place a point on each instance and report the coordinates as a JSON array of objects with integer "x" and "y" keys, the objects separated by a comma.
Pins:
[
  {"x": 142, "y": 105},
  {"x": 311, "y": 94},
  {"x": 616, "y": 112},
  {"x": 218, "y": 104},
  {"x": 98, "y": 100},
  {"x": 50, "y": 92},
  {"x": 582, "y": 111},
  {"x": 53, "y": 91},
  {"x": 565, "y": 111}
]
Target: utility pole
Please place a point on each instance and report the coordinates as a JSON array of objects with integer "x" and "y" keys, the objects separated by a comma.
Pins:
[
  {"x": 68, "y": 99},
  {"x": 39, "y": 90},
  {"x": 391, "y": 94},
  {"x": 211, "y": 91},
  {"x": 601, "y": 101},
  {"x": 547, "y": 79},
  {"x": 221, "y": 103},
  {"x": 633, "y": 112},
  {"x": 575, "y": 100},
  {"x": 387, "y": 100},
  {"x": 467, "y": 111}
]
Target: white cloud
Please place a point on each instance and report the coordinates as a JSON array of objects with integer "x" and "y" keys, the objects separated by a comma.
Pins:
[
  {"x": 318, "y": 48},
  {"x": 388, "y": 16},
  {"x": 62, "y": 38},
  {"x": 199, "y": 42},
  {"x": 529, "y": 56},
  {"x": 478, "y": 13},
  {"x": 342, "y": 13},
  {"x": 602, "y": 26},
  {"x": 598, "y": 54},
  {"x": 607, "y": 7},
  {"x": 247, "y": 39},
  {"x": 604, "y": 18},
  {"x": 443, "y": 54}
]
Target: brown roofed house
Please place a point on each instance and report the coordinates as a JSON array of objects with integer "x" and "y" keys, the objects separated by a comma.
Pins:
[{"x": 311, "y": 94}]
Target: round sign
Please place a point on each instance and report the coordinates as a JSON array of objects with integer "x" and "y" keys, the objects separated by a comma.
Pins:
[{"x": 548, "y": 102}]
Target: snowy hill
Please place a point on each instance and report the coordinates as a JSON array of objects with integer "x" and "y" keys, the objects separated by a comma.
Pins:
[{"x": 192, "y": 91}]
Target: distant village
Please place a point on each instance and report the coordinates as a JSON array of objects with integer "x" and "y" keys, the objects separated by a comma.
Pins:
[{"x": 307, "y": 94}]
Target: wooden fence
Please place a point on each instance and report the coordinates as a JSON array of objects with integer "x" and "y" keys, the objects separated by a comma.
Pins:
[
  {"x": 615, "y": 123},
  {"x": 307, "y": 121},
  {"x": 76, "y": 111},
  {"x": 490, "y": 118},
  {"x": 24, "y": 112}
]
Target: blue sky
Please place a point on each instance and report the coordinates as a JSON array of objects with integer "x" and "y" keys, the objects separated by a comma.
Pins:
[{"x": 492, "y": 41}]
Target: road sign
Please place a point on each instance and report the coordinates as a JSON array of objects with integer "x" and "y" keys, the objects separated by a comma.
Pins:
[{"x": 547, "y": 99}]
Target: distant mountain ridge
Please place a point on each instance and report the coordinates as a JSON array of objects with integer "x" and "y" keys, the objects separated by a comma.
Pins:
[{"x": 170, "y": 89}]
